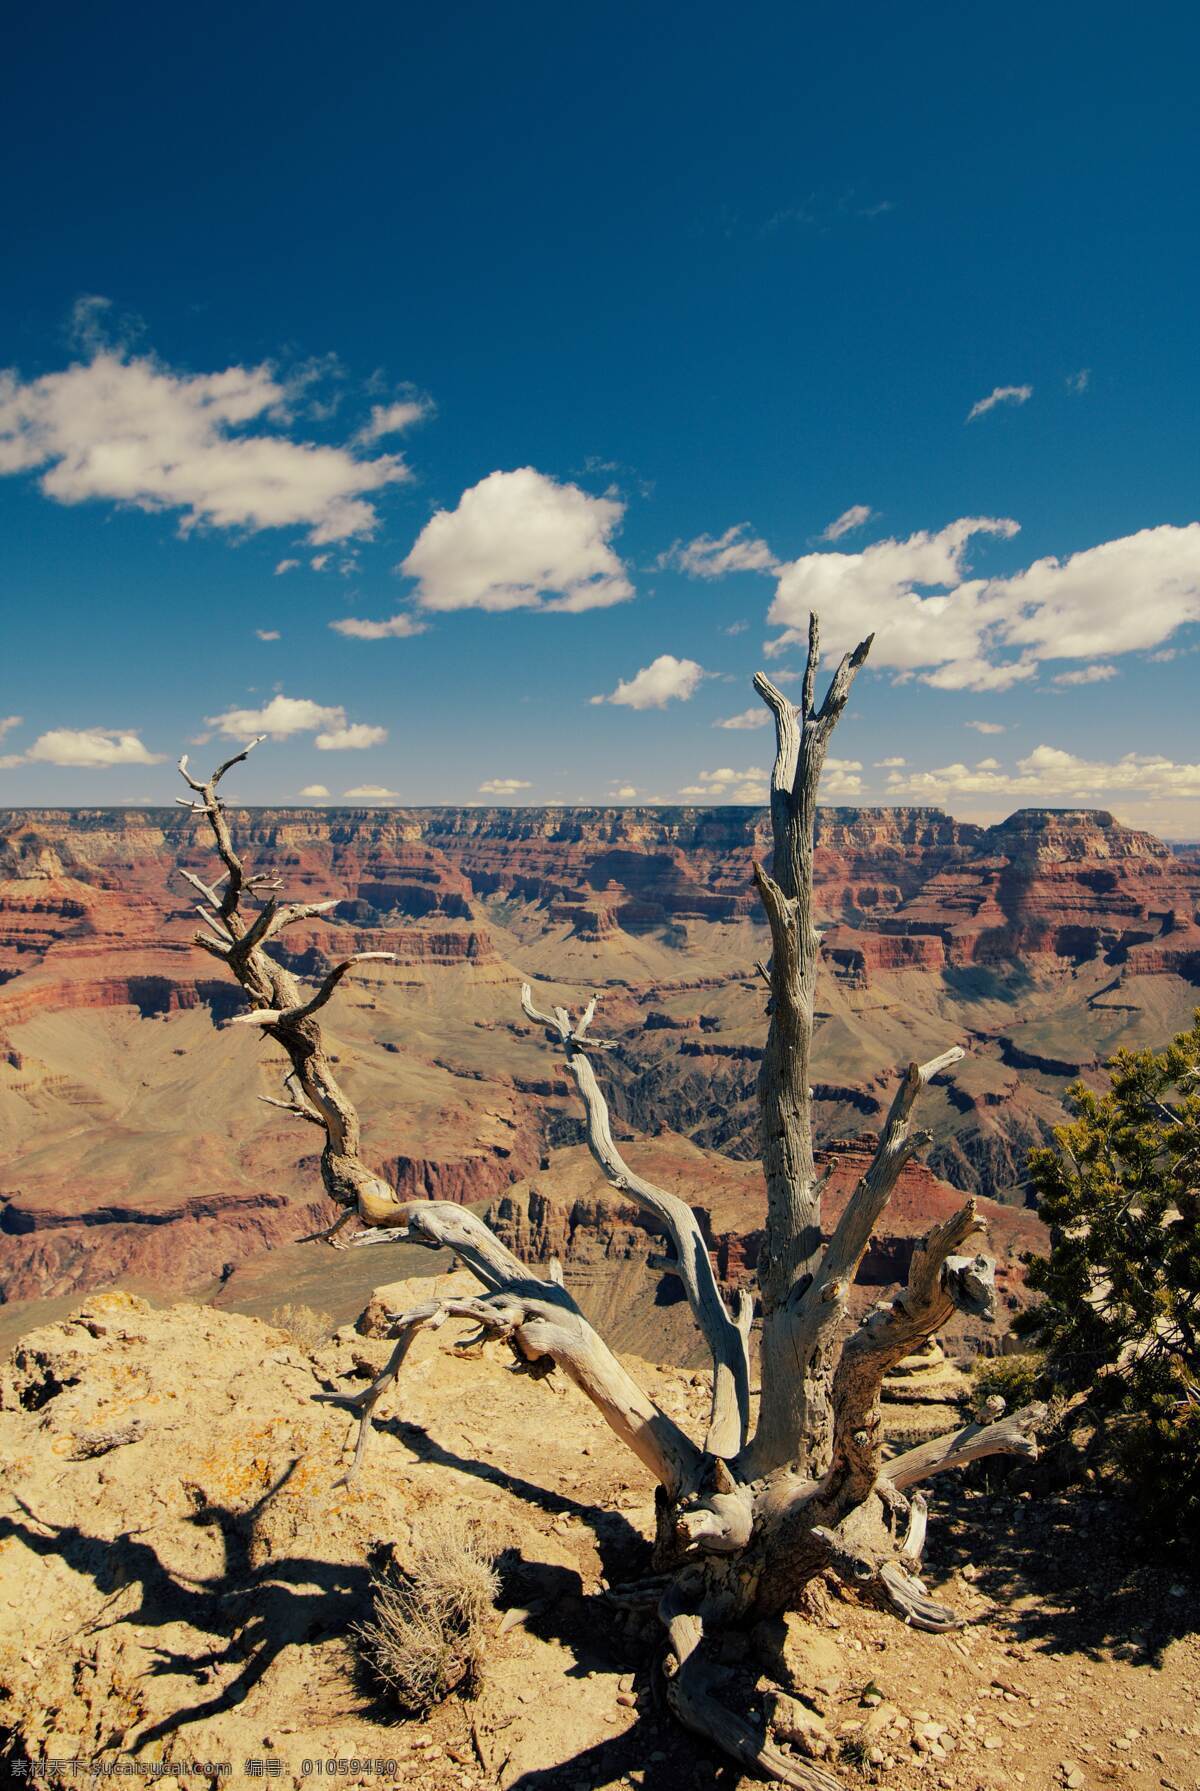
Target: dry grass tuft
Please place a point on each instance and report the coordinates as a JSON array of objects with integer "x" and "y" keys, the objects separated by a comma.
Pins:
[
  {"x": 307, "y": 1329},
  {"x": 427, "y": 1636}
]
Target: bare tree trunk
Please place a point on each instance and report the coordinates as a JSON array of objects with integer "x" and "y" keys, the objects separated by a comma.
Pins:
[
  {"x": 795, "y": 1419},
  {"x": 744, "y": 1522}
]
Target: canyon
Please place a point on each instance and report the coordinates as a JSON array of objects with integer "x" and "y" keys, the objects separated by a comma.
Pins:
[{"x": 135, "y": 1149}]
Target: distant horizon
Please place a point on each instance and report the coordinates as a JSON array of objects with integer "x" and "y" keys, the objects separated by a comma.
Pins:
[{"x": 175, "y": 812}]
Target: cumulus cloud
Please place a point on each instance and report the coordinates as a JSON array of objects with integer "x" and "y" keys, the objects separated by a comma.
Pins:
[
  {"x": 89, "y": 749},
  {"x": 520, "y": 540},
  {"x": 727, "y": 785},
  {"x": 1087, "y": 674},
  {"x": 370, "y": 793},
  {"x": 755, "y": 717},
  {"x": 876, "y": 590},
  {"x": 853, "y": 518},
  {"x": 624, "y": 792},
  {"x": 351, "y": 737},
  {"x": 1050, "y": 773},
  {"x": 960, "y": 633},
  {"x": 1079, "y": 382},
  {"x": 130, "y": 430},
  {"x": 840, "y": 778},
  {"x": 286, "y": 566},
  {"x": 267, "y": 634},
  {"x": 315, "y": 792},
  {"x": 8, "y": 723},
  {"x": 666, "y": 679},
  {"x": 986, "y": 727},
  {"x": 504, "y": 786},
  {"x": 398, "y": 627},
  {"x": 999, "y": 395},
  {"x": 712, "y": 556},
  {"x": 889, "y": 764},
  {"x": 284, "y": 716}
]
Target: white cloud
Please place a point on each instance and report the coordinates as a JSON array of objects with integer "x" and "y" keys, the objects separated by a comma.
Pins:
[
  {"x": 889, "y": 764},
  {"x": 874, "y": 590},
  {"x": 316, "y": 792},
  {"x": 624, "y": 792},
  {"x": 1050, "y": 773},
  {"x": 666, "y": 679},
  {"x": 520, "y": 540},
  {"x": 504, "y": 786},
  {"x": 728, "y": 785},
  {"x": 286, "y": 566},
  {"x": 1087, "y": 674},
  {"x": 960, "y": 633},
  {"x": 1118, "y": 597},
  {"x": 267, "y": 634},
  {"x": 393, "y": 419},
  {"x": 89, "y": 749},
  {"x": 986, "y": 727},
  {"x": 755, "y": 717},
  {"x": 839, "y": 778},
  {"x": 712, "y": 556},
  {"x": 8, "y": 723},
  {"x": 398, "y": 627},
  {"x": 853, "y": 518},
  {"x": 282, "y": 716},
  {"x": 735, "y": 628},
  {"x": 319, "y": 561},
  {"x": 999, "y": 395},
  {"x": 350, "y": 737},
  {"x": 129, "y": 430},
  {"x": 1079, "y": 382},
  {"x": 370, "y": 793}
]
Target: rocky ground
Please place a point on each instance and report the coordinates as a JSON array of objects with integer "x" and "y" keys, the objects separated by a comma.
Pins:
[{"x": 180, "y": 1570}]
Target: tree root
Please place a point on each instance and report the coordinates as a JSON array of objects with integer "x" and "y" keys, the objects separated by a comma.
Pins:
[
  {"x": 908, "y": 1596},
  {"x": 691, "y": 1699}
]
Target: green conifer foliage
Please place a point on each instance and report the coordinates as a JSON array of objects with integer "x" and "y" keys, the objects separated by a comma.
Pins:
[{"x": 1119, "y": 1317}]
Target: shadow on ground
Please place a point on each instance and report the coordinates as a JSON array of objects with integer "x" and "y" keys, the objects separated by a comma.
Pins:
[{"x": 1063, "y": 1571}]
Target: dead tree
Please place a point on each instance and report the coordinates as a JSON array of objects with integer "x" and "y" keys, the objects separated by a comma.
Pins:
[{"x": 764, "y": 1503}]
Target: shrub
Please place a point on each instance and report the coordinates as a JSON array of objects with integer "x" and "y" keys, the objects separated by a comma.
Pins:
[
  {"x": 426, "y": 1637},
  {"x": 1119, "y": 1318},
  {"x": 307, "y": 1328},
  {"x": 1017, "y": 1380}
]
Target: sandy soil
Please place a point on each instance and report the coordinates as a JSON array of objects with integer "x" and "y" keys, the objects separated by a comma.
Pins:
[{"x": 180, "y": 1570}]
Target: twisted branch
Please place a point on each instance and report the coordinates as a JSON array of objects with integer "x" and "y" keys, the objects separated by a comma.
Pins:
[
  {"x": 280, "y": 1006},
  {"x": 726, "y": 1336}
]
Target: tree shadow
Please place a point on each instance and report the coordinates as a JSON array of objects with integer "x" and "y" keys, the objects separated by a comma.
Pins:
[
  {"x": 624, "y": 1551},
  {"x": 252, "y": 1613},
  {"x": 1070, "y": 1557}
]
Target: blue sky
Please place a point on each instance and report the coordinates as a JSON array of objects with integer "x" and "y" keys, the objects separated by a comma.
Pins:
[{"x": 494, "y": 321}]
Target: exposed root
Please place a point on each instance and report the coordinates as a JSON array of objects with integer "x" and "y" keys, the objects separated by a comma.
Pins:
[
  {"x": 908, "y": 1596},
  {"x": 692, "y": 1700}
]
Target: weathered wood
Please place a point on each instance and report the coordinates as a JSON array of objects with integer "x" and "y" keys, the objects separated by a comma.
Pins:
[
  {"x": 794, "y": 1418},
  {"x": 1013, "y": 1435},
  {"x": 726, "y": 1338}
]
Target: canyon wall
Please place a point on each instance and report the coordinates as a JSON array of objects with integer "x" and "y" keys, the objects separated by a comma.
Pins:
[{"x": 134, "y": 1141}]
